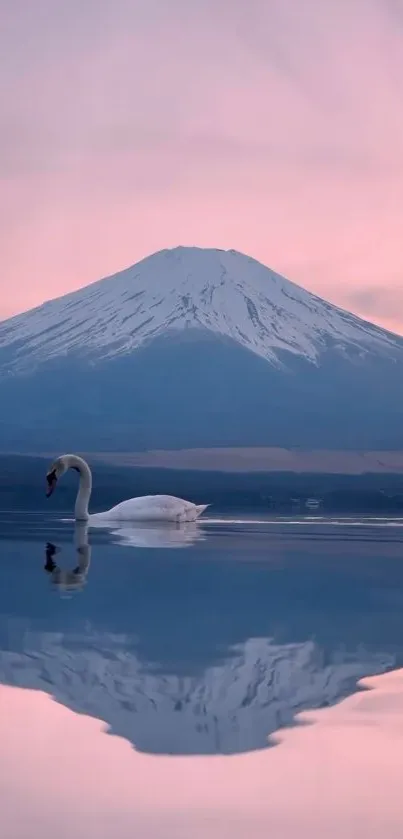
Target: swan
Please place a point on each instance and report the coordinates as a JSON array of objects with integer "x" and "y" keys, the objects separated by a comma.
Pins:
[{"x": 144, "y": 508}]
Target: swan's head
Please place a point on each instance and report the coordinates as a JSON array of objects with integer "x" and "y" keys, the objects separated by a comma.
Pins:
[{"x": 55, "y": 472}]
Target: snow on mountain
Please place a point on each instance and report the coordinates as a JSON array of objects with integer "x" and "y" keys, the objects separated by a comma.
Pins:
[
  {"x": 230, "y": 708},
  {"x": 224, "y": 292}
]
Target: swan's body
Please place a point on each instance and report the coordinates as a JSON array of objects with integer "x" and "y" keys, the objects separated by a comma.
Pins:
[
  {"x": 152, "y": 508},
  {"x": 144, "y": 508}
]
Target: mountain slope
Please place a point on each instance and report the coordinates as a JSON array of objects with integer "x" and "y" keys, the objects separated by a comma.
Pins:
[{"x": 196, "y": 347}]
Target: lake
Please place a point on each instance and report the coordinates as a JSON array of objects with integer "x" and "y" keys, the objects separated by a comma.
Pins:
[{"x": 183, "y": 682}]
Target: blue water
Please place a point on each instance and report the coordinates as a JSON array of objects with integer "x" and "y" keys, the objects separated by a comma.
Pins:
[
  {"x": 165, "y": 682},
  {"x": 202, "y": 639}
]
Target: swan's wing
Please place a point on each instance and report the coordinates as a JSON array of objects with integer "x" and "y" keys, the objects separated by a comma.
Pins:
[{"x": 176, "y": 506}]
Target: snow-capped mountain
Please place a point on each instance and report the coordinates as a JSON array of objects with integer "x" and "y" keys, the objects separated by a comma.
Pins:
[
  {"x": 229, "y": 708},
  {"x": 194, "y": 347},
  {"x": 224, "y": 292}
]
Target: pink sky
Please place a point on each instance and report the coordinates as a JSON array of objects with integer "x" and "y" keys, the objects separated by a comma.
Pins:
[
  {"x": 340, "y": 776},
  {"x": 274, "y": 127}
]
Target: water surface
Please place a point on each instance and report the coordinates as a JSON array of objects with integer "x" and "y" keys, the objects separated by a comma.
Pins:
[{"x": 200, "y": 646}]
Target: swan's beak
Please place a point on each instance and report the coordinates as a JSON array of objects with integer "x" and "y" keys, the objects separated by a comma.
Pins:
[{"x": 51, "y": 480}]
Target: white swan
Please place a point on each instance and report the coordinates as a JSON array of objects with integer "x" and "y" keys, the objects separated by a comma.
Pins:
[{"x": 145, "y": 508}]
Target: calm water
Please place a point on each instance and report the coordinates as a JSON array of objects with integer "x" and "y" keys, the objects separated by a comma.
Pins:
[{"x": 197, "y": 649}]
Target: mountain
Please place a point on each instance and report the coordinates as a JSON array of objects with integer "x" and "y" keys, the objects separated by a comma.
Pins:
[{"x": 197, "y": 348}]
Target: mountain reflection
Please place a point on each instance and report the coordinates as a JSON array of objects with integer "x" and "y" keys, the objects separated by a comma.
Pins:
[{"x": 196, "y": 657}]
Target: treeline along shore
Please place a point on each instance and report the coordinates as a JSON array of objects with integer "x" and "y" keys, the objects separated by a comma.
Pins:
[{"x": 22, "y": 487}]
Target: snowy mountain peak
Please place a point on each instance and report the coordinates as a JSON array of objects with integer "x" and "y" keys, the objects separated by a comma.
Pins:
[{"x": 224, "y": 292}]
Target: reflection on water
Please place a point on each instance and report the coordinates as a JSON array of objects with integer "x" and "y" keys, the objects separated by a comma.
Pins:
[
  {"x": 167, "y": 535},
  {"x": 192, "y": 652},
  {"x": 60, "y": 776},
  {"x": 74, "y": 579}
]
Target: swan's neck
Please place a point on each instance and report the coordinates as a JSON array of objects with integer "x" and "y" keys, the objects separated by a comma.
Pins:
[{"x": 85, "y": 486}]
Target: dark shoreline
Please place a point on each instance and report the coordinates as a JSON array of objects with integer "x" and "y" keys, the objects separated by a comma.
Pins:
[{"x": 22, "y": 486}]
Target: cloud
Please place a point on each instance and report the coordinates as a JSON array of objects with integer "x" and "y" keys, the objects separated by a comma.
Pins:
[{"x": 379, "y": 301}]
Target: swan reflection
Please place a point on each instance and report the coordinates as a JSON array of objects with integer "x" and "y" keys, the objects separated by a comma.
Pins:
[
  {"x": 150, "y": 535},
  {"x": 155, "y": 535},
  {"x": 70, "y": 579}
]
